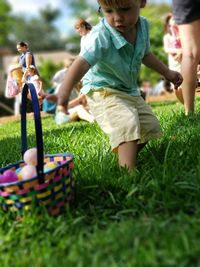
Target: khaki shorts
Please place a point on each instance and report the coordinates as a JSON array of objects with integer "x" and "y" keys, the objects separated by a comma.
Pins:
[{"x": 123, "y": 117}]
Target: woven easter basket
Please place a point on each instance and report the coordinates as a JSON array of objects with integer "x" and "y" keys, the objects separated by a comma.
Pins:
[{"x": 52, "y": 189}]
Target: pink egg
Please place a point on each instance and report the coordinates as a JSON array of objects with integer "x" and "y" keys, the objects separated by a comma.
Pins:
[
  {"x": 30, "y": 156},
  {"x": 9, "y": 176},
  {"x": 27, "y": 172},
  {"x": 1, "y": 178}
]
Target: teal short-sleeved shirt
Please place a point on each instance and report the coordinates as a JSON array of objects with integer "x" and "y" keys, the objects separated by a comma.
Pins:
[{"x": 115, "y": 63}]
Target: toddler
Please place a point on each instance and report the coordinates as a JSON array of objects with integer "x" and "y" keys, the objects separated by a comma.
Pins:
[{"x": 109, "y": 65}]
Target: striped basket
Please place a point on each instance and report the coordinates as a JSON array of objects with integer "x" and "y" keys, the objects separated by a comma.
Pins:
[{"x": 52, "y": 189}]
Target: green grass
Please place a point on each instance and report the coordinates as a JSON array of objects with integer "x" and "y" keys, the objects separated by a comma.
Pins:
[{"x": 148, "y": 218}]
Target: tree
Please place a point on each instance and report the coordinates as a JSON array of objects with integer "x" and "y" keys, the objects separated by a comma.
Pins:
[
  {"x": 49, "y": 14},
  {"x": 156, "y": 24},
  {"x": 39, "y": 31},
  {"x": 40, "y": 35},
  {"x": 6, "y": 22}
]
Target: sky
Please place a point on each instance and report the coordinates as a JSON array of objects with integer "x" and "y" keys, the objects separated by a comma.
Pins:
[{"x": 66, "y": 22}]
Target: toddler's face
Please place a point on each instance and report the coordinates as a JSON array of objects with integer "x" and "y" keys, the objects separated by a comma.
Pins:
[{"x": 122, "y": 16}]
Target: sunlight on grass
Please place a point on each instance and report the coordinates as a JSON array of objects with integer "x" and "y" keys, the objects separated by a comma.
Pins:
[{"x": 149, "y": 217}]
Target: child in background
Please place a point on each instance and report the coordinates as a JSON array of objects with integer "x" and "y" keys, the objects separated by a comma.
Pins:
[
  {"x": 50, "y": 97},
  {"x": 60, "y": 74},
  {"x": 31, "y": 76},
  {"x": 109, "y": 65},
  {"x": 172, "y": 46},
  {"x": 78, "y": 108}
]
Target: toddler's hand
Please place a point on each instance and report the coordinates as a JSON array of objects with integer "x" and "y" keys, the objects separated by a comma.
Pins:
[
  {"x": 175, "y": 77},
  {"x": 52, "y": 98}
]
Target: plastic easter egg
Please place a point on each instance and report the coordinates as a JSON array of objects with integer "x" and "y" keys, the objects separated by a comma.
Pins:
[
  {"x": 18, "y": 172},
  {"x": 49, "y": 166},
  {"x": 9, "y": 176},
  {"x": 30, "y": 156},
  {"x": 27, "y": 172}
]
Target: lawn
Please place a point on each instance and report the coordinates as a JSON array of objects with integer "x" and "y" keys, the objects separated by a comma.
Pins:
[{"x": 147, "y": 218}]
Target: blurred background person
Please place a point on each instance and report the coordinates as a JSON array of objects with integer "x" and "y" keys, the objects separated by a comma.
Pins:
[
  {"x": 146, "y": 89},
  {"x": 31, "y": 76},
  {"x": 50, "y": 97},
  {"x": 83, "y": 28},
  {"x": 78, "y": 107},
  {"x": 172, "y": 46},
  {"x": 14, "y": 84},
  {"x": 26, "y": 57}
]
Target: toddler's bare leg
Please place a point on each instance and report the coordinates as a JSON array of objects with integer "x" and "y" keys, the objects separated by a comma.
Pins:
[{"x": 127, "y": 153}]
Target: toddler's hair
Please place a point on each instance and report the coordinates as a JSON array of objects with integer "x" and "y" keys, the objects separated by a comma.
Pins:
[
  {"x": 82, "y": 23},
  {"x": 114, "y": 3}
]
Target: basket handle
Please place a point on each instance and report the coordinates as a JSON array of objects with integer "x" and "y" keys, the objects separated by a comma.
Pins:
[{"x": 38, "y": 127}]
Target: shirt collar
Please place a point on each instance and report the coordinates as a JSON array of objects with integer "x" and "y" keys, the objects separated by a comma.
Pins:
[{"x": 118, "y": 40}]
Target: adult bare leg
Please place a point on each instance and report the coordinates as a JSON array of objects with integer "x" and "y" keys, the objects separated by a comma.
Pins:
[{"x": 190, "y": 40}]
